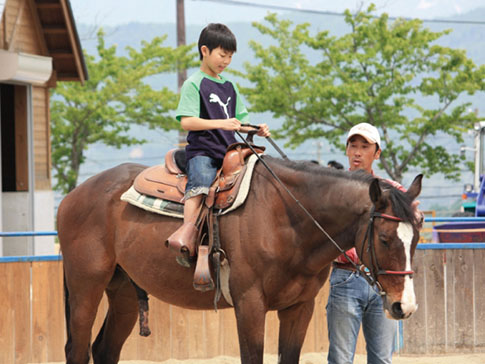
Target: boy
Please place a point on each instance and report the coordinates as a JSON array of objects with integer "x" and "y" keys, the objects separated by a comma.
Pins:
[{"x": 211, "y": 110}]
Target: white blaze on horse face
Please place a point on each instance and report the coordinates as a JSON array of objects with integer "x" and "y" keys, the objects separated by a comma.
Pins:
[{"x": 408, "y": 299}]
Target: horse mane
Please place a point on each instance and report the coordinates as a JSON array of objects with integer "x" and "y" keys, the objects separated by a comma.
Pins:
[
  {"x": 401, "y": 202},
  {"x": 314, "y": 170}
]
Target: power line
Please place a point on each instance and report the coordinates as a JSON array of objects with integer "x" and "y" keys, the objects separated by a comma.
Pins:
[{"x": 333, "y": 13}]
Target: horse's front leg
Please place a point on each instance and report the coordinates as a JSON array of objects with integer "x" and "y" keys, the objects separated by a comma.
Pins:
[
  {"x": 294, "y": 322},
  {"x": 250, "y": 317}
]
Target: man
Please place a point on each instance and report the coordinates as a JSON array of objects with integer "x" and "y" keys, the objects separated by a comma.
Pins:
[{"x": 352, "y": 301}]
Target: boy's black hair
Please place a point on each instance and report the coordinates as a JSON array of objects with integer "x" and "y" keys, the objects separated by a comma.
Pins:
[{"x": 217, "y": 35}]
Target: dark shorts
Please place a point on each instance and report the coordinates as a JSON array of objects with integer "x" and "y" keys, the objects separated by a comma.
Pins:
[{"x": 201, "y": 171}]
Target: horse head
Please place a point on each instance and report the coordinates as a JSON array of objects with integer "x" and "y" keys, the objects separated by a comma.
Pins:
[{"x": 386, "y": 242}]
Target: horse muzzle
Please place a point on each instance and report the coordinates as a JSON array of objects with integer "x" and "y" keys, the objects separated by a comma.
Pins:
[{"x": 399, "y": 310}]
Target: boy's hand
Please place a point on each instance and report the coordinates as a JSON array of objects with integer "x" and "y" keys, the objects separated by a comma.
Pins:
[
  {"x": 231, "y": 124},
  {"x": 263, "y": 131}
]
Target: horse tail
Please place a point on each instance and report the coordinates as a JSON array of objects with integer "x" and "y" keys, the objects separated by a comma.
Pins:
[{"x": 67, "y": 313}]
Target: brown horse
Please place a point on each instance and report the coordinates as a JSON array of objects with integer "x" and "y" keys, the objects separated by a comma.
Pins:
[{"x": 278, "y": 257}]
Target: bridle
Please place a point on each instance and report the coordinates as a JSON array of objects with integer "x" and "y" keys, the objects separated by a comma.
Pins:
[{"x": 375, "y": 270}]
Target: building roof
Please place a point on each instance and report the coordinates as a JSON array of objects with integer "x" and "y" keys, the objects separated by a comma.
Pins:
[{"x": 56, "y": 21}]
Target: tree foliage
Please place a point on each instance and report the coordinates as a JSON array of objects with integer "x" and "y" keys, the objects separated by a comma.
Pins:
[
  {"x": 392, "y": 75},
  {"x": 114, "y": 98}
]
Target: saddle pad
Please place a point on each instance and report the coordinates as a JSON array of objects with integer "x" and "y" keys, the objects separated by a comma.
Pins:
[
  {"x": 173, "y": 209},
  {"x": 153, "y": 204}
]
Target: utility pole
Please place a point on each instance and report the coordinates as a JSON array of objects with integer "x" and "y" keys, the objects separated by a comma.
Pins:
[
  {"x": 181, "y": 74},
  {"x": 319, "y": 152}
]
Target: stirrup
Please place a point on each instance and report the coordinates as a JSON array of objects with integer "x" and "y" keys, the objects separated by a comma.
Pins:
[{"x": 202, "y": 276}]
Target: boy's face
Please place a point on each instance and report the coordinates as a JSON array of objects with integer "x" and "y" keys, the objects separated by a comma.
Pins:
[
  {"x": 361, "y": 153},
  {"x": 213, "y": 63}
]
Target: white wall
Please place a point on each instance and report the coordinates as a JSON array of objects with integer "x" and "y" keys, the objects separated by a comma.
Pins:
[
  {"x": 44, "y": 221},
  {"x": 15, "y": 212},
  {"x": 16, "y": 217}
]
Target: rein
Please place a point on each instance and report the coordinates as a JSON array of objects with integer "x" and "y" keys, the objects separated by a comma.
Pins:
[
  {"x": 293, "y": 196},
  {"x": 371, "y": 278}
]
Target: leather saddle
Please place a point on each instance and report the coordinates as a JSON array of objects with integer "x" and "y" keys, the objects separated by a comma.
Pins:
[{"x": 168, "y": 181}]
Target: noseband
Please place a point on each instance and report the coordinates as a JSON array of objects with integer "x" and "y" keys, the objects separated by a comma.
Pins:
[{"x": 375, "y": 269}]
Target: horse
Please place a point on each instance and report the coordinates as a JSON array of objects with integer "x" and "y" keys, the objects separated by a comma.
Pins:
[{"x": 278, "y": 257}]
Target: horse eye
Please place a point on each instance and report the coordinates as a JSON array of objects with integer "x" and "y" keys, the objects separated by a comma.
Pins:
[{"x": 384, "y": 242}]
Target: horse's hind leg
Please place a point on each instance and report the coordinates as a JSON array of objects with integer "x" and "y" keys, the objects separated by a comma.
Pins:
[
  {"x": 81, "y": 306},
  {"x": 120, "y": 319},
  {"x": 293, "y": 326}
]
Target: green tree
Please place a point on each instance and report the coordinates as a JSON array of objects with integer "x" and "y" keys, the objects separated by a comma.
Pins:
[
  {"x": 392, "y": 75},
  {"x": 114, "y": 98}
]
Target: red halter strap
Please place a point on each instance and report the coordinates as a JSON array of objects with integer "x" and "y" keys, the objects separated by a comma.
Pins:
[{"x": 386, "y": 216}]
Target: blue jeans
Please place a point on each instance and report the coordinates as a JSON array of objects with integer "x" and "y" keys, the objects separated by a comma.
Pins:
[
  {"x": 352, "y": 302},
  {"x": 201, "y": 171}
]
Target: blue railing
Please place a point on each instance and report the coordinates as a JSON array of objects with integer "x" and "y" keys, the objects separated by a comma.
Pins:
[
  {"x": 423, "y": 246},
  {"x": 29, "y": 258},
  {"x": 454, "y": 219},
  {"x": 28, "y": 233}
]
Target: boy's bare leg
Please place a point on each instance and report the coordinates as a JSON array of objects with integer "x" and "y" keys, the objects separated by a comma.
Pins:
[{"x": 191, "y": 208}]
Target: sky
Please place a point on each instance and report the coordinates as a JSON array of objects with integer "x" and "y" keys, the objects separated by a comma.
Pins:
[
  {"x": 110, "y": 13},
  {"x": 116, "y": 12}
]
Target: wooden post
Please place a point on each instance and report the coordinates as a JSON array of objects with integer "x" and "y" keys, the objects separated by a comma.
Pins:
[{"x": 182, "y": 74}]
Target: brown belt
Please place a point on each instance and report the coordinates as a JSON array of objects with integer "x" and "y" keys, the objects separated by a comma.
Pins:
[{"x": 346, "y": 266}]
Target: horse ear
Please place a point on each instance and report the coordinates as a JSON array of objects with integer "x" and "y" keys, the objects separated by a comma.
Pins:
[
  {"x": 375, "y": 191},
  {"x": 415, "y": 188}
]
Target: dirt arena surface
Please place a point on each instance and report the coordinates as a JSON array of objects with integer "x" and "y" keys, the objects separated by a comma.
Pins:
[{"x": 320, "y": 358}]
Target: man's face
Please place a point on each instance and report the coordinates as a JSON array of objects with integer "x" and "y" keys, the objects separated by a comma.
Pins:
[{"x": 361, "y": 153}]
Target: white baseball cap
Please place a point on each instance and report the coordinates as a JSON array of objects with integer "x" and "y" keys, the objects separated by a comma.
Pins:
[{"x": 367, "y": 131}]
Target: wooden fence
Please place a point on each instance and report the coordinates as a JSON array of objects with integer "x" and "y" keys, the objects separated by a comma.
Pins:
[
  {"x": 450, "y": 287},
  {"x": 32, "y": 324}
]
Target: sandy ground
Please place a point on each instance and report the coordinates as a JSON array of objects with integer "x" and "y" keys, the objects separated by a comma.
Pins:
[{"x": 320, "y": 358}]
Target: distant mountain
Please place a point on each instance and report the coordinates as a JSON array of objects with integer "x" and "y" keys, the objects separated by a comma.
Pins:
[{"x": 436, "y": 190}]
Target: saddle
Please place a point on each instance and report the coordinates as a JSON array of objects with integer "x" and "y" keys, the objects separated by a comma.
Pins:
[{"x": 168, "y": 182}]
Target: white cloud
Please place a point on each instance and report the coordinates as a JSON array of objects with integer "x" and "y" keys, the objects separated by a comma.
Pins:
[
  {"x": 458, "y": 8},
  {"x": 136, "y": 153},
  {"x": 425, "y": 4}
]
